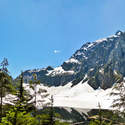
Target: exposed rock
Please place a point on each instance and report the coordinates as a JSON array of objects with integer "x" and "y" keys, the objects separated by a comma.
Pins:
[{"x": 100, "y": 60}]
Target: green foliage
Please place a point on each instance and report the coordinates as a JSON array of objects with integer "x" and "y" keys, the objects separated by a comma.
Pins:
[
  {"x": 97, "y": 122},
  {"x": 5, "y": 83},
  {"x": 23, "y": 96},
  {"x": 119, "y": 101},
  {"x": 108, "y": 117},
  {"x": 20, "y": 115},
  {"x": 22, "y": 118},
  {"x": 45, "y": 119},
  {"x": 118, "y": 91}
]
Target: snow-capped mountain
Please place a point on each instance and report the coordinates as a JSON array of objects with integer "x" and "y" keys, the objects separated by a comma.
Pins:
[{"x": 100, "y": 63}]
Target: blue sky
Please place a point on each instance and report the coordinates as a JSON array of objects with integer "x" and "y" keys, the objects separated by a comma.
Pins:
[{"x": 38, "y": 33}]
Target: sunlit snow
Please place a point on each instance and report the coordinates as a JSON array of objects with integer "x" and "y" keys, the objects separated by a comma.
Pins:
[
  {"x": 58, "y": 71},
  {"x": 80, "y": 96}
]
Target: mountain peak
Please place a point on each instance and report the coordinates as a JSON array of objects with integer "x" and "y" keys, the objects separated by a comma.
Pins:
[
  {"x": 119, "y": 32},
  {"x": 97, "y": 62}
]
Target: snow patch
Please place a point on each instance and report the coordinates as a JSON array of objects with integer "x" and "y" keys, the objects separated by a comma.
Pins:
[
  {"x": 59, "y": 71},
  {"x": 101, "y": 70},
  {"x": 72, "y": 60},
  {"x": 9, "y": 99},
  {"x": 115, "y": 72},
  {"x": 90, "y": 45},
  {"x": 91, "y": 69},
  {"x": 101, "y": 40},
  {"x": 36, "y": 70}
]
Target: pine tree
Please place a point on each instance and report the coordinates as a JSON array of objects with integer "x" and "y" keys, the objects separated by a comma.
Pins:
[
  {"x": 5, "y": 83},
  {"x": 20, "y": 101},
  {"x": 118, "y": 93},
  {"x": 52, "y": 119},
  {"x": 19, "y": 113},
  {"x": 22, "y": 118},
  {"x": 49, "y": 116},
  {"x": 37, "y": 92},
  {"x": 23, "y": 96}
]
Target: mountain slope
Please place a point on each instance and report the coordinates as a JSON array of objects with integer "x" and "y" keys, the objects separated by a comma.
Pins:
[
  {"x": 101, "y": 63},
  {"x": 80, "y": 96}
]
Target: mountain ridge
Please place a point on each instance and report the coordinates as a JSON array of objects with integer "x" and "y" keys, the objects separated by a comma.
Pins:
[{"x": 102, "y": 61}]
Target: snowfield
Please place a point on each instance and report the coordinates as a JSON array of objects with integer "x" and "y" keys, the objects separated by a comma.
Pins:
[{"x": 80, "y": 96}]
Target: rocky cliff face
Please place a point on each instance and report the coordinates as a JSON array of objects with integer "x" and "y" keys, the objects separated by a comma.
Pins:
[{"x": 102, "y": 63}]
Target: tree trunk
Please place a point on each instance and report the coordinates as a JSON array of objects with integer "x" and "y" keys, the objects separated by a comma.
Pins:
[
  {"x": 15, "y": 118},
  {"x": 1, "y": 112}
]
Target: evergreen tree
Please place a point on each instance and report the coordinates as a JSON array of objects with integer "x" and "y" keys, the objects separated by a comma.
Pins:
[
  {"x": 37, "y": 92},
  {"x": 23, "y": 96},
  {"x": 118, "y": 104},
  {"x": 19, "y": 106},
  {"x": 19, "y": 114},
  {"x": 100, "y": 118},
  {"x": 5, "y": 83},
  {"x": 119, "y": 94},
  {"x": 49, "y": 115},
  {"x": 33, "y": 85},
  {"x": 22, "y": 118},
  {"x": 52, "y": 119}
]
